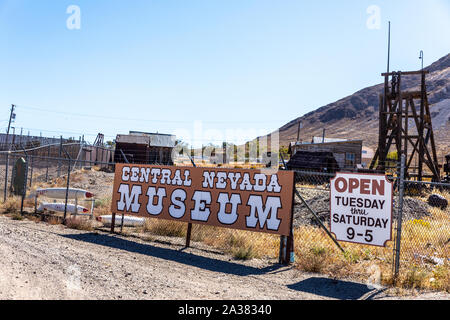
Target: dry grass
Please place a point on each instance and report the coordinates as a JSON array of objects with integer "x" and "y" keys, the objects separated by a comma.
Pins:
[
  {"x": 12, "y": 205},
  {"x": 53, "y": 220},
  {"x": 427, "y": 237},
  {"x": 314, "y": 260},
  {"x": 102, "y": 206},
  {"x": 78, "y": 223},
  {"x": 243, "y": 245},
  {"x": 17, "y": 216},
  {"x": 165, "y": 228},
  {"x": 241, "y": 248},
  {"x": 325, "y": 258},
  {"x": 314, "y": 251},
  {"x": 77, "y": 176}
]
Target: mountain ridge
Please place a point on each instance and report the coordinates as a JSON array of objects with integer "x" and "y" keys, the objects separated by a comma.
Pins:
[{"x": 356, "y": 116}]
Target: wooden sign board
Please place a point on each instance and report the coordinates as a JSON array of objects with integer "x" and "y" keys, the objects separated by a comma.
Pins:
[{"x": 231, "y": 198}]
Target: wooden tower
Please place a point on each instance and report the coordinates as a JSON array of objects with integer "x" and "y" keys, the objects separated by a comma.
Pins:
[{"x": 405, "y": 127}]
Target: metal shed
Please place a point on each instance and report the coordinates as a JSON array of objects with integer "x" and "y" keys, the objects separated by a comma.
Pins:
[
  {"x": 313, "y": 161},
  {"x": 347, "y": 153},
  {"x": 145, "y": 148}
]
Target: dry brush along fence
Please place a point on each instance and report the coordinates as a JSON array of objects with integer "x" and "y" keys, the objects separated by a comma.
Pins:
[{"x": 418, "y": 255}]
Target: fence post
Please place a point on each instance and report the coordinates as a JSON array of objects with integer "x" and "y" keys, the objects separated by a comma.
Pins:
[
  {"x": 290, "y": 239},
  {"x": 6, "y": 177},
  {"x": 188, "y": 235},
  {"x": 121, "y": 225},
  {"x": 68, "y": 184},
  {"x": 59, "y": 158},
  {"x": 189, "y": 228},
  {"x": 25, "y": 180},
  {"x": 48, "y": 157},
  {"x": 280, "y": 254},
  {"x": 287, "y": 254},
  {"x": 31, "y": 174},
  {"x": 284, "y": 250},
  {"x": 113, "y": 222},
  {"x": 291, "y": 248},
  {"x": 25, "y": 188},
  {"x": 399, "y": 216},
  {"x": 67, "y": 192},
  {"x": 12, "y": 174}
]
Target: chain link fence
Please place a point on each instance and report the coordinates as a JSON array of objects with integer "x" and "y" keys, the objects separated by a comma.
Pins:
[
  {"x": 425, "y": 230},
  {"x": 422, "y": 252}
]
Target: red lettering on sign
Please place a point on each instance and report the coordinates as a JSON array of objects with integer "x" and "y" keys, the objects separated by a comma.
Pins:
[
  {"x": 364, "y": 186},
  {"x": 378, "y": 186},
  {"x": 336, "y": 184},
  {"x": 354, "y": 184}
]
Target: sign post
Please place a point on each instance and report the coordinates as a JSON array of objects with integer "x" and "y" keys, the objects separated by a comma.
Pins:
[{"x": 361, "y": 208}]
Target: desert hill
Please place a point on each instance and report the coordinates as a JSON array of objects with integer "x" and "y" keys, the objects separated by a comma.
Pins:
[{"x": 356, "y": 116}]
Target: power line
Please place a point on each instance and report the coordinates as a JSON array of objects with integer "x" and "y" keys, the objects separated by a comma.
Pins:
[
  {"x": 134, "y": 119},
  {"x": 66, "y": 132},
  {"x": 110, "y": 136},
  {"x": 58, "y": 132}
]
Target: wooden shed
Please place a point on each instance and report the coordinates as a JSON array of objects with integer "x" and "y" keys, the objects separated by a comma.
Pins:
[
  {"x": 313, "y": 161},
  {"x": 145, "y": 148},
  {"x": 347, "y": 153}
]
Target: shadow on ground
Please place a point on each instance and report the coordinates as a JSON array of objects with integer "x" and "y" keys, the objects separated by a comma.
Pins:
[
  {"x": 337, "y": 289},
  {"x": 206, "y": 263}
]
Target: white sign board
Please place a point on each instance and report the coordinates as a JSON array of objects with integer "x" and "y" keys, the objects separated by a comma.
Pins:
[{"x": 361, "y": 208}]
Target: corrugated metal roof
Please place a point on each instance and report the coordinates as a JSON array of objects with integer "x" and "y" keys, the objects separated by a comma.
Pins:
[
  {"x": 327, "y": 140},
  {"x": 159, "y": 140},
  {"x": 150, "y": 139},
  {"x": 319, "y": 140},
  {"x": 134, "y": 139}
]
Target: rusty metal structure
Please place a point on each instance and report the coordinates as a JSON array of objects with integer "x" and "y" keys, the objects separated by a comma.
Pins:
[
  {"x": 447, "y": 169},
  {"x": 100, "y": 140},
  {"x": 405, "y": 126}
]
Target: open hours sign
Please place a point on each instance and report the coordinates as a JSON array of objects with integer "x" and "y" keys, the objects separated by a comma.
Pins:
[{"x": 361, "y": 208}]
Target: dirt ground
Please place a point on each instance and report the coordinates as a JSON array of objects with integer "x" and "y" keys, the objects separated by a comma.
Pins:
[{"x": 42, "y": 261}]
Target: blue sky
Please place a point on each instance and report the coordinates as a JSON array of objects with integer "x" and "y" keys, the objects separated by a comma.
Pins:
[{"x": 206, "y": 70}]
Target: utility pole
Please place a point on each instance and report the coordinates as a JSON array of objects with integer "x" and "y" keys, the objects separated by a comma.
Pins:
[
  {"x": 300, "y": 125},
  {"x": 389, "y": 47},
  {"x": 421, "y": 57},
  {"x": 11, "y": 117},
  {"x": 14, "y": 136}
]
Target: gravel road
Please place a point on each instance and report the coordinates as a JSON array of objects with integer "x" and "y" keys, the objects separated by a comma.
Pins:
[{"x": 42, "y": 261}]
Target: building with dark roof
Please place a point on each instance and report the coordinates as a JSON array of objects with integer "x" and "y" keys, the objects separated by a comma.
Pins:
[
  {"x": 313, "y": 161},
  {"x": 145, "y": 148},
  {"x": 347, "y": 153}
]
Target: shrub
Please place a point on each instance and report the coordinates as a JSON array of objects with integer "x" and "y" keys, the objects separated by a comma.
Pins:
[
  {"x": 79, "y": 224},
  {"x": 244, "y": 253},
  {"x": 415, "y": 278},
  {"x": 17, "y": 216},
  {"x": 241, "y": 248},
  {"x": 441, "y": 276},
  {"x": 314, "y": 260},
  {"x": 165, "y": 228},
  {"x": 12, "y": 205}
]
